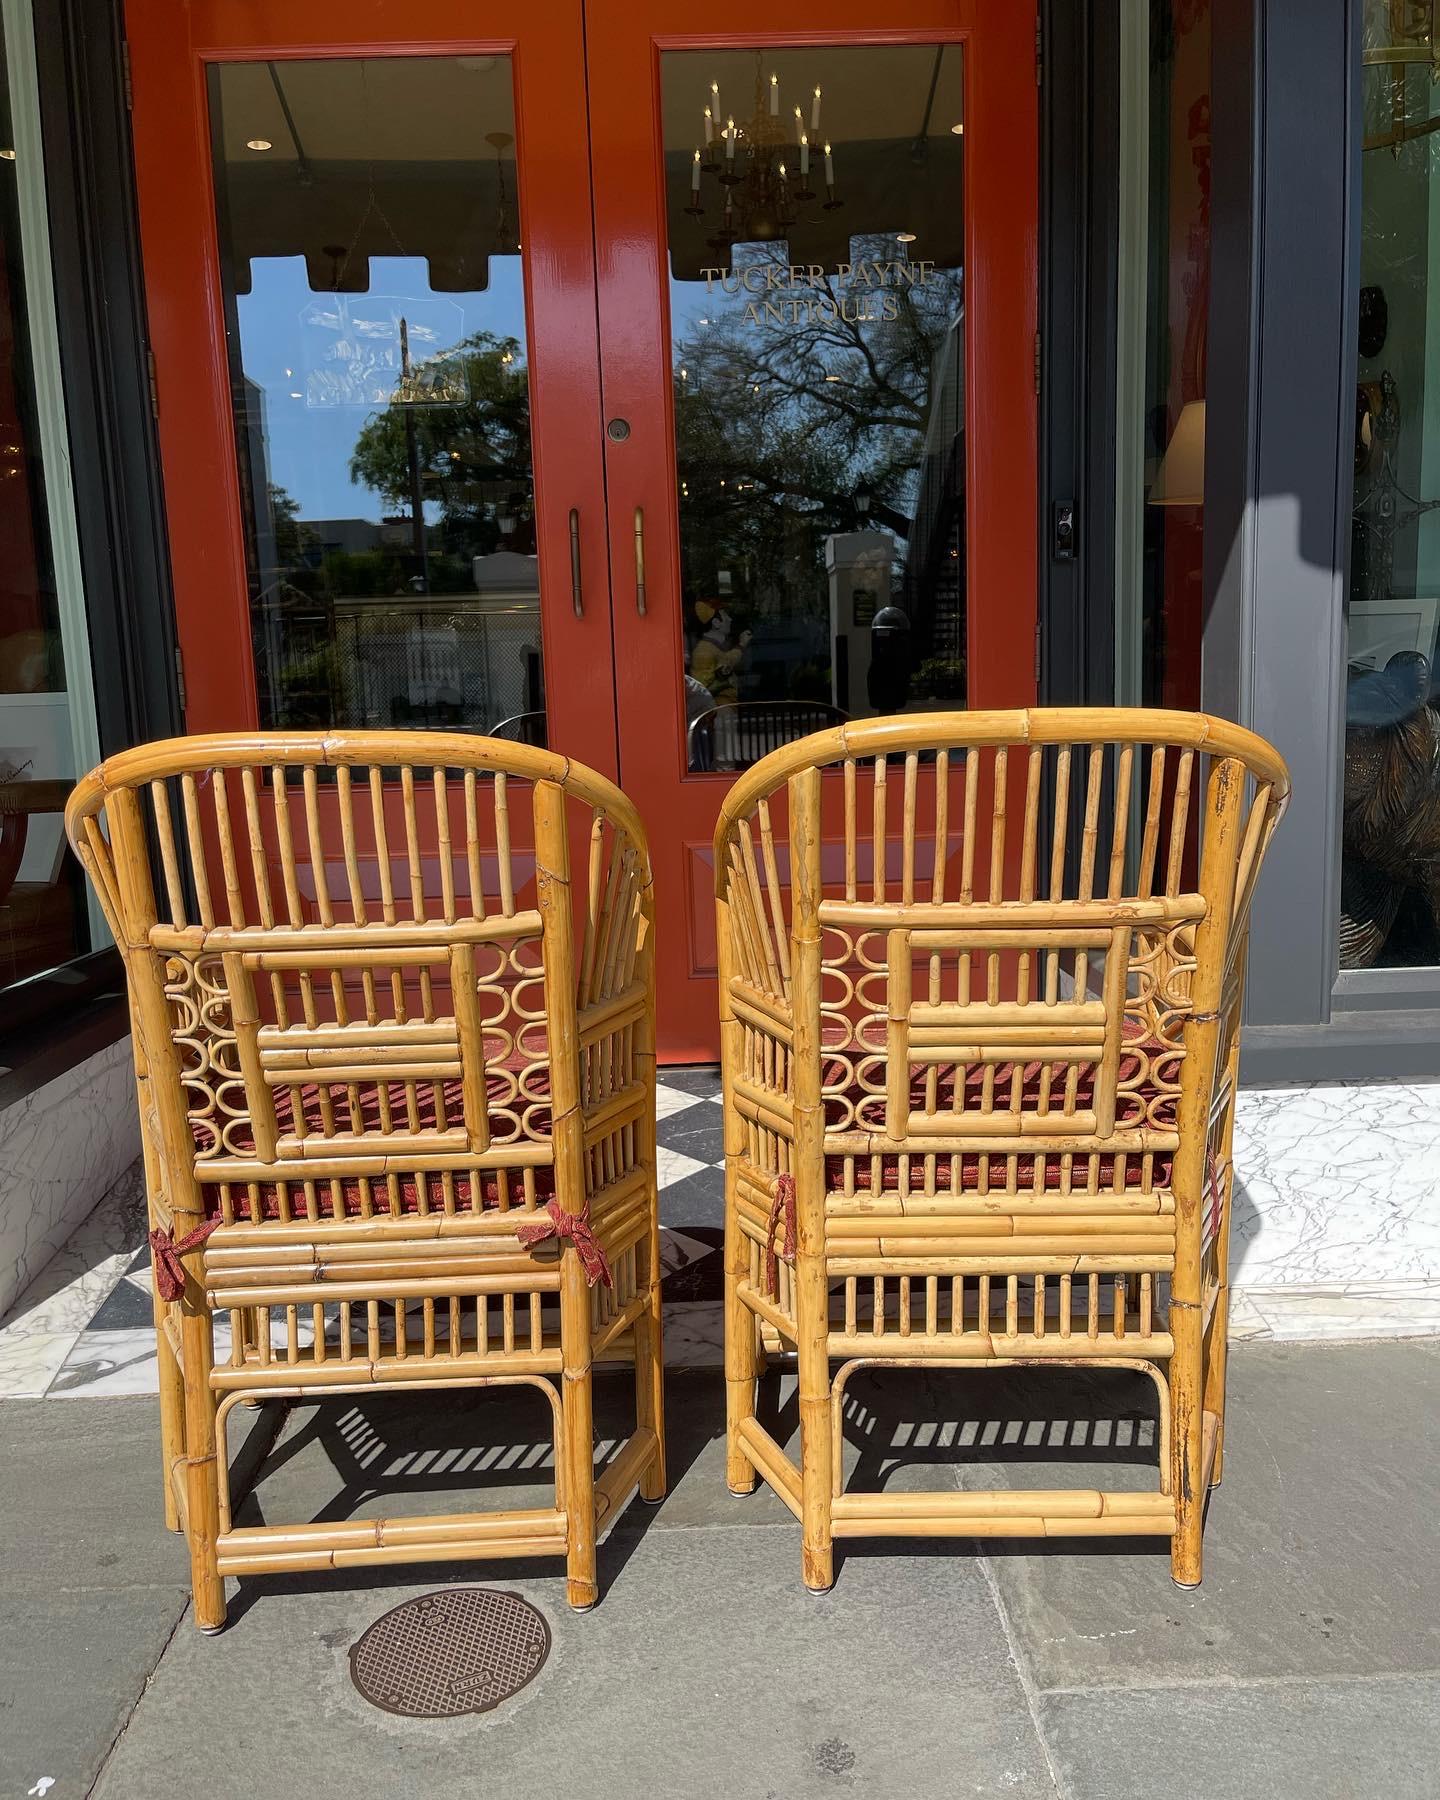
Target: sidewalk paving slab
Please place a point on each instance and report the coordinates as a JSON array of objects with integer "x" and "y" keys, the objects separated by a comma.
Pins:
[
  {"x": 93, "y": 1584},
  {"x": 1306, "y": 1740},
  {"x": 1320, "y": 1544}
]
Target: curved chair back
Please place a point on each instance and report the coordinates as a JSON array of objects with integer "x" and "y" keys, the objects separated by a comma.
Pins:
[{"x": 361, "y": 983}]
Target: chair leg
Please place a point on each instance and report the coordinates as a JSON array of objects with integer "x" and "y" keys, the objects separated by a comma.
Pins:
[
  {"x": 817, "y": 1450},
  {"x": 816, "y": 1469},
  {"x": 1217, "y": 1356},
  {"x": 577, "y": 1434},
  {"x": 741, "y": 1357},
  {"x": 202, "y": 1487},
  {"x": 650, "y": 1383},
  {"x": 172, "y": 1413},
  {"x": 1187, "y": 1419}
]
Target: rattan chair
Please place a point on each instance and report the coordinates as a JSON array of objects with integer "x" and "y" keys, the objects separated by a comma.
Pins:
[
  {"x": 396, "y": 1086},
  {"x": 980, "y": 1063}
]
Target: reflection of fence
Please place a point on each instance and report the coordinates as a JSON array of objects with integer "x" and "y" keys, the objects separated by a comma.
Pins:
[
  {"x": 452, "y": 662},
  {"x": 738, "y": 734}
]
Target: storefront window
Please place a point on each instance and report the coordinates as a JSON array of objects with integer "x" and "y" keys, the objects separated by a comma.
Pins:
[
  {"x": 1390, "y": 849},
  {"x": 46, "y": 704}
]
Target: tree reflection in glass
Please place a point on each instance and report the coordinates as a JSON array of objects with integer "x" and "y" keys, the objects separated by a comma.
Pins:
[{"x": 819, "y": 404}]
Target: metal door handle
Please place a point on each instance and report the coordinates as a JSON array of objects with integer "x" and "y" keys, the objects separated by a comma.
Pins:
[
  {"x": 640, "y": 560},
  {"x": 577, "y": 597}
]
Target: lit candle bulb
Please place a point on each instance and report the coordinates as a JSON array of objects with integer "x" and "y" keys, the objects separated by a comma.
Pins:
[
  {"x": 829, "y": 168},
  {"x": 695, "y": 174},
  {"x": 709, "y": 128},
  {"x": 815, "y": 111},
  {"x": 804, "y": 154},
  {"x": 715, "y": 98},
  {"x": 774, "y": 96},
  {"x": 730, "y": 140},
  {"x": 799, "y": 126}
]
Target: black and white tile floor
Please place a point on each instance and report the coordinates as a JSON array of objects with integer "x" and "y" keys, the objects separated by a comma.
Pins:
[{"x": 89, "y": 1331}]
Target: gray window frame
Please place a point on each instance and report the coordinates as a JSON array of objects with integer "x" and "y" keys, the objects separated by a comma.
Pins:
[{"x": 1279, "y": 488}]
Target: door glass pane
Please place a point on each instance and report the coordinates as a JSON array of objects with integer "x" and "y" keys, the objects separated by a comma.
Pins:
[
  {"x": 375, "y": 306},
  {"x": 1390, "y": 834},
  {"x": 816, "y": 242}
]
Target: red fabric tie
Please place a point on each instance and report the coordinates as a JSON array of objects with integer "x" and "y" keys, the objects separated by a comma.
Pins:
[
  {"x": 783, "y": 1205},
  {"x": 1217, "y": 1190},
  {"x": 558, "y": 1223},
  {"x": 169, "y": 1270}
]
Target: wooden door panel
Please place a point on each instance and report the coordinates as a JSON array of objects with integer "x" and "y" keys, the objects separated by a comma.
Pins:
[
  {"x": 684, "y": 198},
  {"x": 219, "y": 74}
]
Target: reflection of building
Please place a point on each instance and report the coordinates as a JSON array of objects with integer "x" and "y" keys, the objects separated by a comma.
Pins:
[{"x": 351, "y": 537}]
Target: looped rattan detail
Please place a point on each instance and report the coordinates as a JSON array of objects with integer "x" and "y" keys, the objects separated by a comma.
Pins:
[
  {"x": 981, "y": 979},
  {"x": 383, "y": 1044}
]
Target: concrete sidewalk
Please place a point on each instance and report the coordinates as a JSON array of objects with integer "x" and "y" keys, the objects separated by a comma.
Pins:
[{"x": 1308, "y": 1665}]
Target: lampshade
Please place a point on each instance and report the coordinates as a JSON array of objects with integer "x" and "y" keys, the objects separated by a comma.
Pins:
[{"x": 1180, "y": 479}]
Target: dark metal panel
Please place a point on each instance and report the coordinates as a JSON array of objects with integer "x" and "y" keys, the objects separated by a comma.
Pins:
[
  {"x": 1280, "y": 452},
  {"x": 1308, "y": 269},
  {"x": 1230, "y": 398},
  {"x": 1392, "y": 1045},
  {"x": 1079, "y": 155},
  {"x": 105, "y": 366}
]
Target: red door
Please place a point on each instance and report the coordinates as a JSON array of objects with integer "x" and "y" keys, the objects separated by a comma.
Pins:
[
  {"x": 370, "y": 275},
  {"x": 503, "y": 390},
  {"x": 817, "y": 324}
]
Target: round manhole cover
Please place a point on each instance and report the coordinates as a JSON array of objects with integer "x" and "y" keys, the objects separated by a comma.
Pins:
[{"x": 462, "y": 1650}]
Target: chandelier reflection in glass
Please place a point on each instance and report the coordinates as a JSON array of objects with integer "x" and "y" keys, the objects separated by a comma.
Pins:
[{"x": 752, "y": 173}]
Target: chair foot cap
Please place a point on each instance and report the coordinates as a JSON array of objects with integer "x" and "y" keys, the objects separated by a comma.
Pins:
[
  {"x": 1185, "y": 1587},
  {"x": 211, "y": 1630},
  {"x": 820, "y": 1590},
  {"x": 582, "y": 1606}
]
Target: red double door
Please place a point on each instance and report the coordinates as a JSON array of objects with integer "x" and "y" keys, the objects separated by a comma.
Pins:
[{"x": 657, "y": 394}]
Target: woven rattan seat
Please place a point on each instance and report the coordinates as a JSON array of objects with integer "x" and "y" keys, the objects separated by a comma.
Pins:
[
  {"x": 981, "y": 980},
  {"x": 396, "y": 1084}
]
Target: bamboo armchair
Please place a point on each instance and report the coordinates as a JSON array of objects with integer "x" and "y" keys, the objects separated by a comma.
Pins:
[
  {"x": 396, "y": 1088},
  {"x": 980, "y": 995}
]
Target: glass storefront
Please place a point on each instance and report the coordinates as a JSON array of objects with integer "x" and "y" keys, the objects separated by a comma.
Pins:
[
  {"x": 1390, "y": 845},
  {"x": 46, "y": 702}
]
